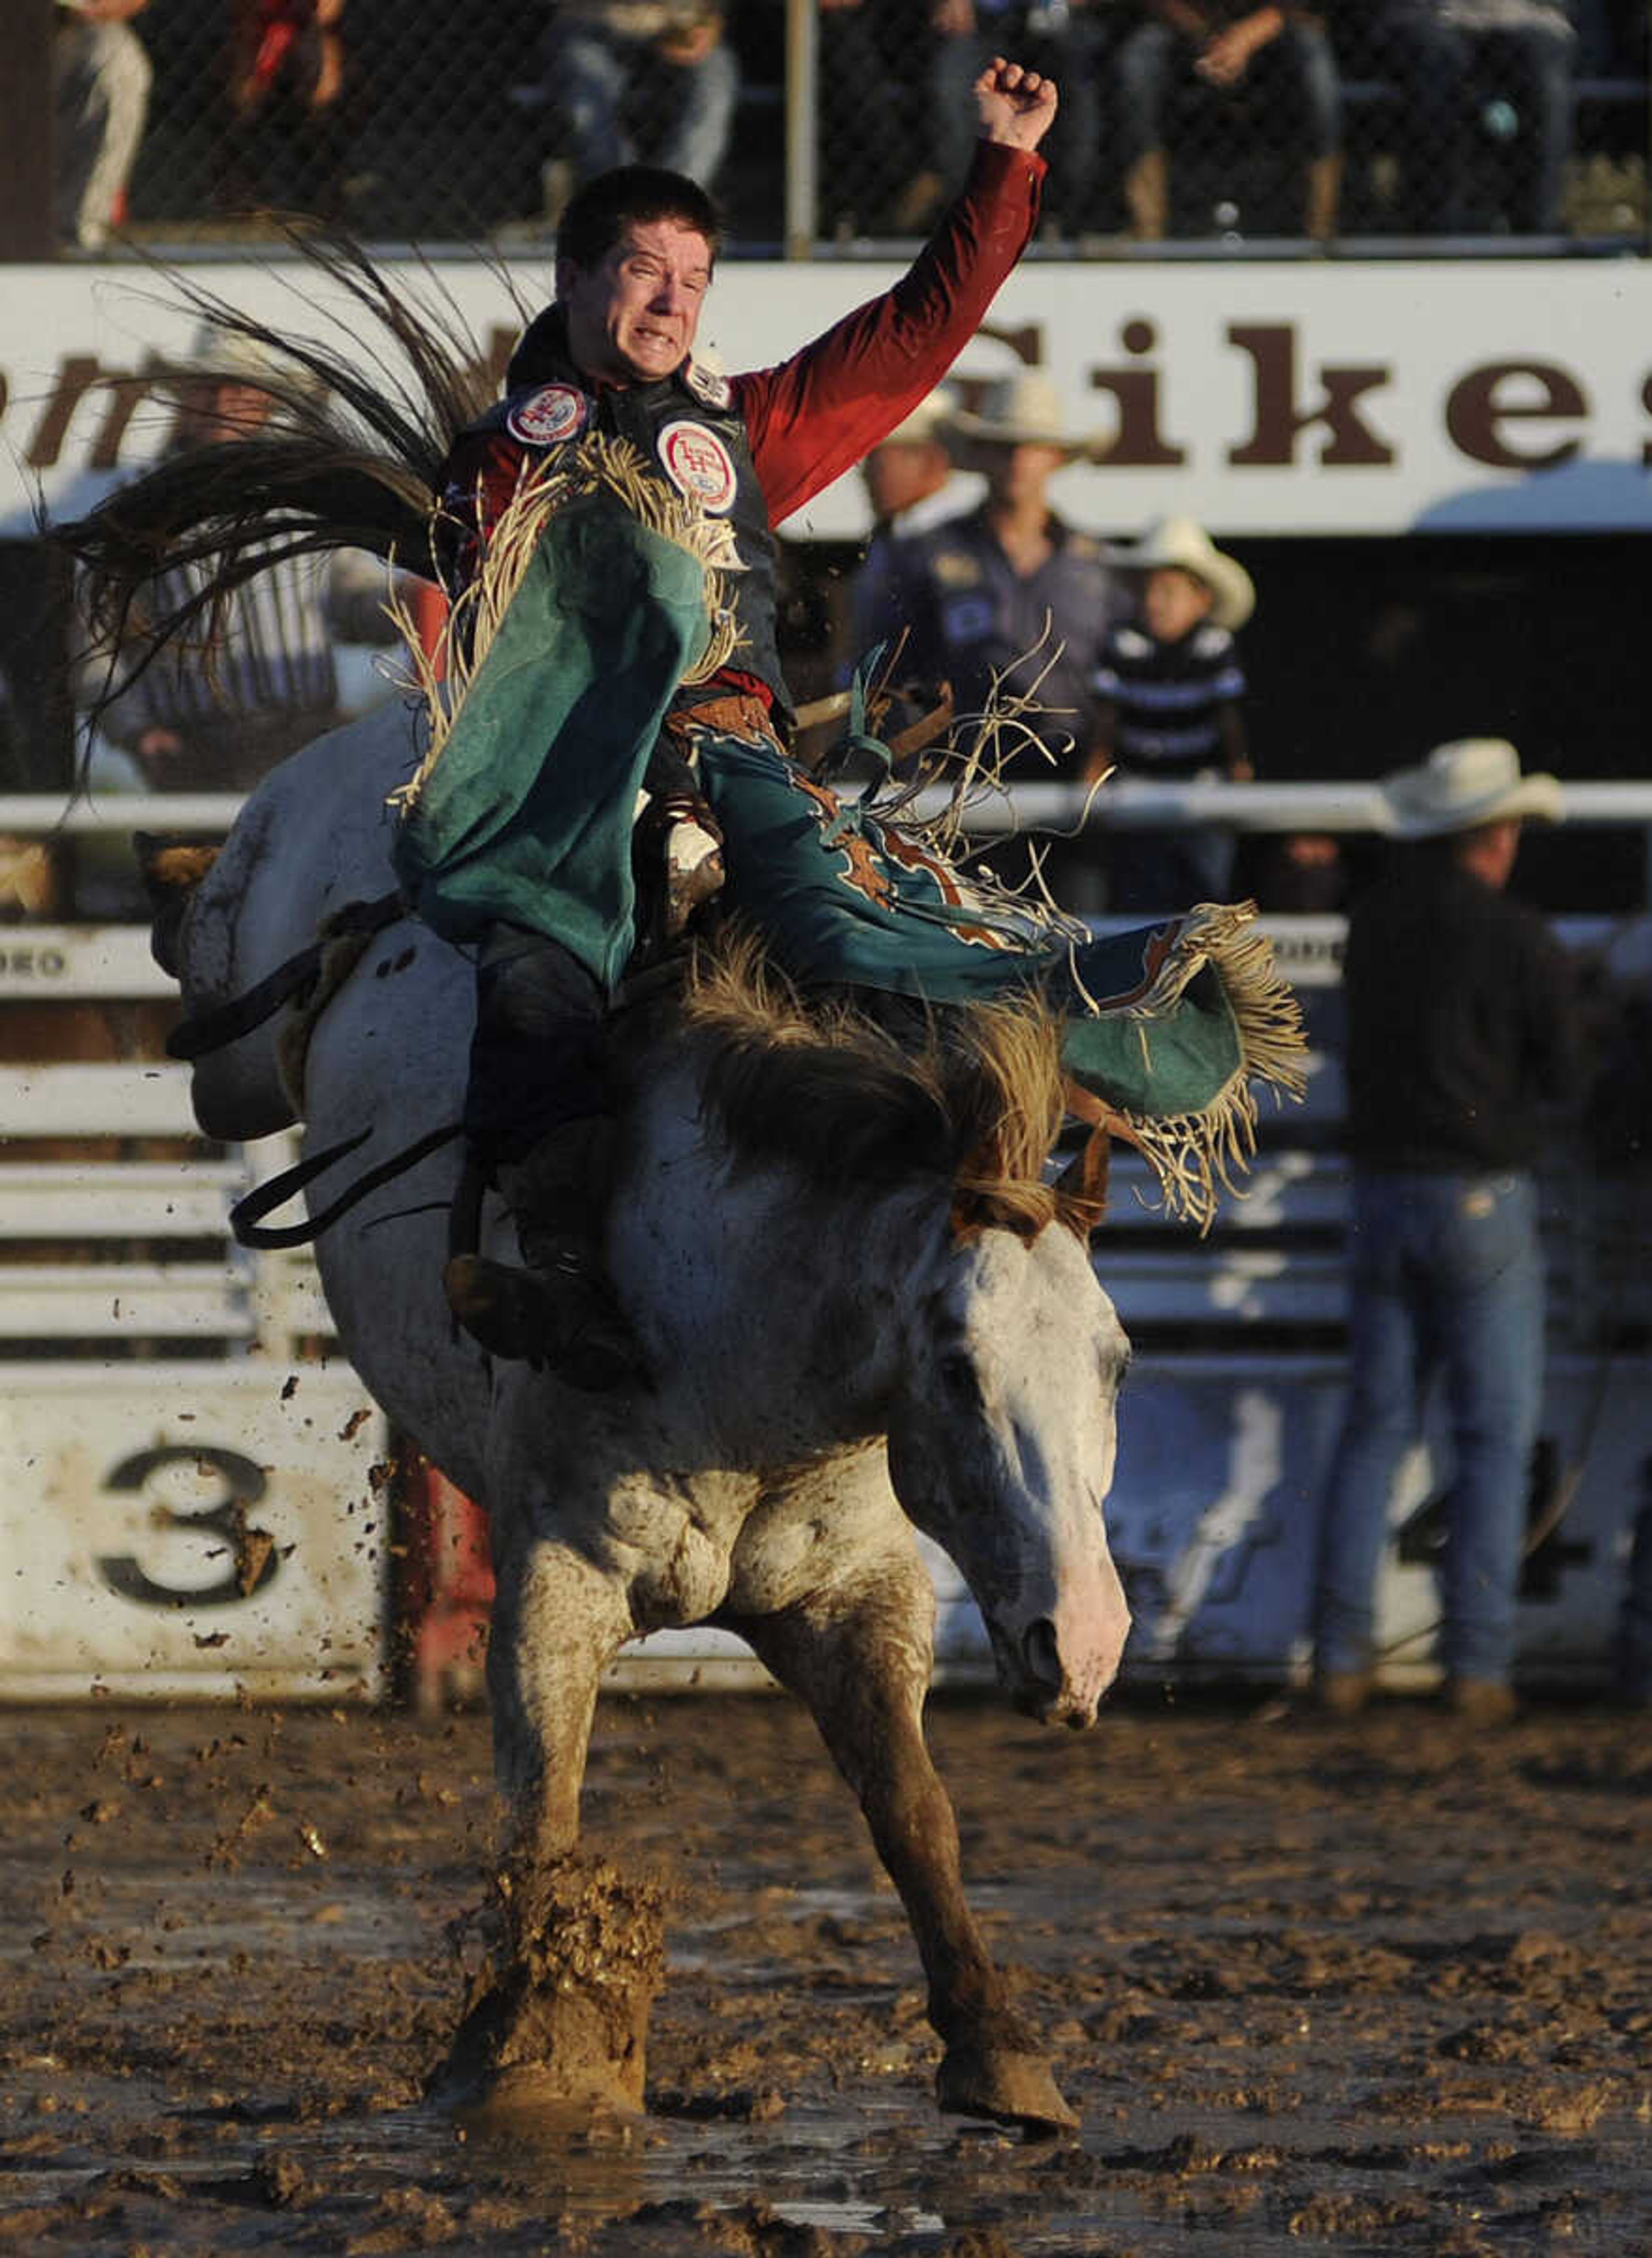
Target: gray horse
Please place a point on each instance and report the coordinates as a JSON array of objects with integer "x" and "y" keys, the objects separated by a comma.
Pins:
[{"x": 862, "y": 1310}]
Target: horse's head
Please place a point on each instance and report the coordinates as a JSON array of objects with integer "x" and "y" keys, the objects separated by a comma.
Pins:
[
  {"x": 1001, "y": 1448},
  {"x": 1003, "y": 1362}
]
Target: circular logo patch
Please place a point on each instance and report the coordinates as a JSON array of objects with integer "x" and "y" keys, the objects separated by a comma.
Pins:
[
  {"x": 699, "y": 465},
  {"x": 555, "y": 412}
]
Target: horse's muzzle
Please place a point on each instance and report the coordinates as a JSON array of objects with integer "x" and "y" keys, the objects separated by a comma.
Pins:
[{"x": 1045, "y": 1690}]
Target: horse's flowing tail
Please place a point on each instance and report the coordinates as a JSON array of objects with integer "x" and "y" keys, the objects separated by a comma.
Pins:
[{"x": 351, "y": 456}]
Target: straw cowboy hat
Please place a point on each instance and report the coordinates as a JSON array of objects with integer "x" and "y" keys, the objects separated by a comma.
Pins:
[
  {"x": 928, "y": 421},
  {"x": 1022, "y": 410},
  {"x": 228, "y": 355},
  {"x": 1471, "y": 781},
  {"x": 1177, "y": 544}
]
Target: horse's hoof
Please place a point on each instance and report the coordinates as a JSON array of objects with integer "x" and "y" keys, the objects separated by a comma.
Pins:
[
  {"x": 528, "y": 2099},
  {"x": 1011, "y": 2089}
]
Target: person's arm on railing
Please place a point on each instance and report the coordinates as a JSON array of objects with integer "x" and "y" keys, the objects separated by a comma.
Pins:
[{"x": 1236, "y": 752}]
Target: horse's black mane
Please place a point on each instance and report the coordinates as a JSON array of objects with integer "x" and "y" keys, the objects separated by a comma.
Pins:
[{"x": 351, "y": 458}]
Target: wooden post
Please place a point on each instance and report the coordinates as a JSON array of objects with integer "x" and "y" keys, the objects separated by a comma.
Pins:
[{"x": 26, "y": 130}]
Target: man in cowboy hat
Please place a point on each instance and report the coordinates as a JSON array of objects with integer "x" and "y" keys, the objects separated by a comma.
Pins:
[
  {"x": 1462, "y": 1026},
  {"x": 273, "y": 683},
  {"x": 1009, "y": 590},
  {"x": 1168, "y": 689},
  {"x": 913, "y": 486}
]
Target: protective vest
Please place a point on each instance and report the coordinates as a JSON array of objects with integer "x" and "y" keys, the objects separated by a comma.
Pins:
[{"x": 689, "y": 432}]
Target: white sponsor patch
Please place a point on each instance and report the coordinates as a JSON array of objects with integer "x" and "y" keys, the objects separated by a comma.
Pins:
[
  {"x": 555, "y": 412},
  {"x": 698, "y": 465}
]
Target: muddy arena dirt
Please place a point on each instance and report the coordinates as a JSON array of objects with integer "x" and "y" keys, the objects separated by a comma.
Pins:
[{"x": 1381, "y": 1986}]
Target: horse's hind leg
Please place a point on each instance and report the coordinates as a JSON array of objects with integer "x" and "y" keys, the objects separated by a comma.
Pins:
[
  {"x": 560, "y": 2016},
  {"x": 859, "y": 1657}
]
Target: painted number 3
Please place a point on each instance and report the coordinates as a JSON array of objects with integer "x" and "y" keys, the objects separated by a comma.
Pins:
[{"x": 254, "y": 1561}]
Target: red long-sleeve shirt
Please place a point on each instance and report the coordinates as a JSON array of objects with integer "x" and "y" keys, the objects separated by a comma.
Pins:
[
  {"x": 815, "y": 415},
  {"x": 819, "y": 413}
]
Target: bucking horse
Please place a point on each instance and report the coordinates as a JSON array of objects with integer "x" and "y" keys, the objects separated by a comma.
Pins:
[{"x": 864, "y": 1309}]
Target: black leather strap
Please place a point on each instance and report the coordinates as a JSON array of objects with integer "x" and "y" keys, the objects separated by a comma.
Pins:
[{"x": 227, "y": 1023}]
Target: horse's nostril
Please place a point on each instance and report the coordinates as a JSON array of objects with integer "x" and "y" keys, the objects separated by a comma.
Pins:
[{"x": 1041, "y": 1653}]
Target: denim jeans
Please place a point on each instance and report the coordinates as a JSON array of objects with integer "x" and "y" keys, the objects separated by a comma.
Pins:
[
  {"x": 1447, "y": 1283},
  {"x": 1075, "y": 56},
  {"x": 1149, "y": 872},
  {"x": 602, "y": 79},
  {"x": 1441, "y": 74},
  {"x": 1297, "y": 72}
]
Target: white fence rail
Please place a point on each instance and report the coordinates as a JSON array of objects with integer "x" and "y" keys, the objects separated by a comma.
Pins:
[
  {"x": 194, "y": 1493},
  {"x": 141, "y": 1350}
]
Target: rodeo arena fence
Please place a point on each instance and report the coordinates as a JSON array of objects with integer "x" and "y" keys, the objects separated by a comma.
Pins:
[
  {"x": 842, "y": 127},
  {"x": 201, "y": 1500},
  {"x": 1349, "y": 298}
]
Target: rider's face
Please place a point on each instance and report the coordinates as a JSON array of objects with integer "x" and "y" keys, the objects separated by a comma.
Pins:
[{"x": 632, "y": 317}]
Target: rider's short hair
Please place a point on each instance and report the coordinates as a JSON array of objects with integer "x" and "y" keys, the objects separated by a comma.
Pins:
[{"x": 601, "y": 212}]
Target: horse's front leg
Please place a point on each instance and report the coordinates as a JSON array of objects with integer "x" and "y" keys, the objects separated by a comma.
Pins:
[
  {"x": 559, "y": 2015},
  {"x": 859, "y": 1656},
  {"x": 557, "y": 1621}
]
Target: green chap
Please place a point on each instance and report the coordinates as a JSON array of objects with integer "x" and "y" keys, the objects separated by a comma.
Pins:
[{"x": 527, "y": 814}]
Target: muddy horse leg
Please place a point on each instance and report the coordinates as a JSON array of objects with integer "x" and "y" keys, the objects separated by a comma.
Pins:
[
  {"x": 559, "y": 2017},
  {"x": 860, "y": 1659}
]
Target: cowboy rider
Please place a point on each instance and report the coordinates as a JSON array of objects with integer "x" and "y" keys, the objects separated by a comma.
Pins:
[{"x": 613, "y": 354}]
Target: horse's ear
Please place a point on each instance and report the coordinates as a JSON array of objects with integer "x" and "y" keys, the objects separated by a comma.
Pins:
[
  {"x": 971, "y": 1209},
  {"x": 171, "y": 870},
  {"x": 1080, "y": 1189},
  {"x": 984, "y": 1196}
]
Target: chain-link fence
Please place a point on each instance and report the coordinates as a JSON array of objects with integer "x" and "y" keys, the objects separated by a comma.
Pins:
[{"x": 1182, "y": 121}]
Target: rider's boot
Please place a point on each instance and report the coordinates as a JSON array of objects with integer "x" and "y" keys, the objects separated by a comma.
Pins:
[{"x": 558, "y": 1310}]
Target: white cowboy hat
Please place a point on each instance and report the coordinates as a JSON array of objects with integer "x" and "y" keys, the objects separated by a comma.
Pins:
[
  {"x": 925, "y": 421},
  {"x": 1471, "y": 781},
  {"x": 227, "y": 356},
  {"x": 1022, "y": 410},
  {"x": 1177, "y": 544}
]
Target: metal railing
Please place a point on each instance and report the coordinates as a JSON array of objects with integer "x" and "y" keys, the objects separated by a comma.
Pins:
[
  {"x": 835, "y": 127},
  {"x": 1061, "y": 809}
]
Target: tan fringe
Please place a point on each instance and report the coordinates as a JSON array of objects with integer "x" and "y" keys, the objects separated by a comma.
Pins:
[
  {"x": 443, "y": 677},
  {"x": 978, "y": 1089},
  {"x": 1194, "y": 1157},
  {"x": 978, "y": 749}
]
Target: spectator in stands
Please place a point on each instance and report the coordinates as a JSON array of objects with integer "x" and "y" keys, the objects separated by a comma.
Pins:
[
  {"x": 648, "y": 77},
  {"x": 1299, "y": 873},
  {"x": 913, "y": 485},
  {"x": 1282, "y": 53},
  {"x": 1462, "y": 1025},
  {"x": 865, "y": 134},
  {"x": 287, "y": 86},
  {"x": 1009, "y": 591},
  {"x": 1168, "y": 691},
  {"x": 1070, "y": 40},
  {"x": 197, "y": 721},
  {"x": 100, "y": 79},
  {"x": 1451, "y": 62}
]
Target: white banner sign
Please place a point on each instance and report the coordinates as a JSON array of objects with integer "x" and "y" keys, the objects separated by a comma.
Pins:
[
  {"x": 173, "y": 1530},
  {"x": 1262, "y": 398}
]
